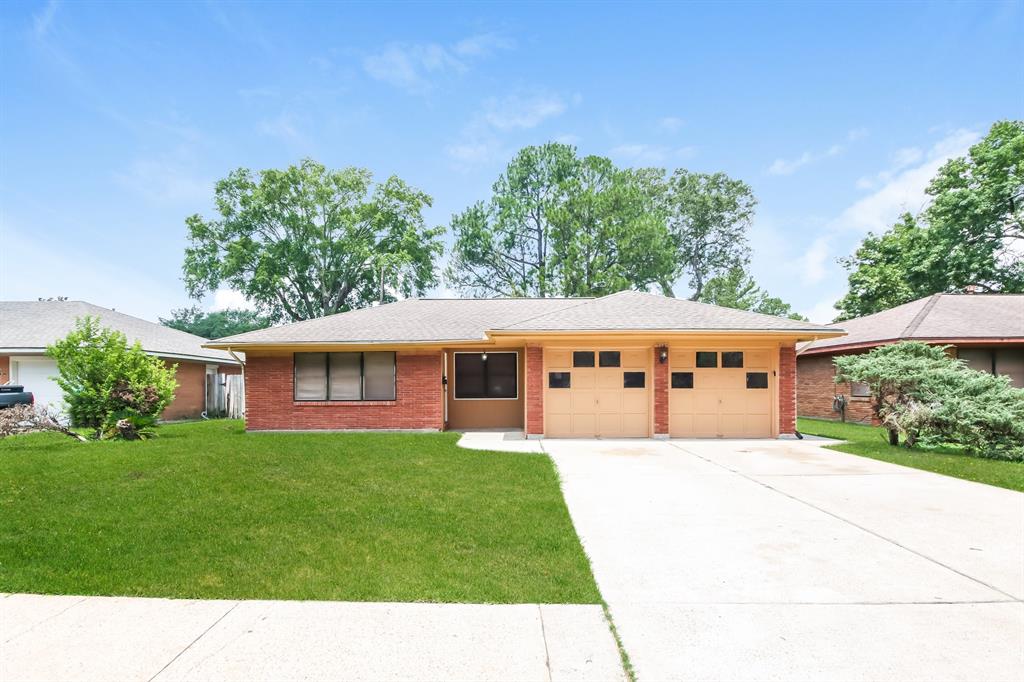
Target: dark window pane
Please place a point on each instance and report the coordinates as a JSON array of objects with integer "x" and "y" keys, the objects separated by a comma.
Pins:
[
  {"x": 558, "y": 379},
  {"x": 732, "y": 359},
  {"x": 757, "y": 379},
  {"x": 682, "y": 379},
  {"x": 346, "y": 382},
  {"x": 501, "y": 375},
  {"x": 378, "y": 376},
  {"x": 609, "y": 358},
  {"x": 634, "y": 379},
  {"x": 469, "y": 375},
  {"x": 707, "y": 358},
  {"x": 311, "y": 376},
  {"x": 583, "y": 358}
]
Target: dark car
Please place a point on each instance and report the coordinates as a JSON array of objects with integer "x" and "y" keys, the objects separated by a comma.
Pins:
[{"x": 12, "y": 394}]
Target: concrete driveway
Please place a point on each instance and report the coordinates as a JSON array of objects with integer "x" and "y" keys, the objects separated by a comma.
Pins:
[{"x": 769, "y": 560}]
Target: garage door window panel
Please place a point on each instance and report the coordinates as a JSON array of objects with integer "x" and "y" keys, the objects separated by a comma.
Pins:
[
  {"x": 757, "y": 379},
  {"x": 583, "y": 358},
  {"x": 486, "y": 376},
  {"x": 732, "y": 359},
  {"x": 559, "y": 380},
  {"x": 707, "y": 359},
  {"x": 682, "y": 379},
  {"x": 634, "y": 379},
  {"x": 610, "y": 358}
]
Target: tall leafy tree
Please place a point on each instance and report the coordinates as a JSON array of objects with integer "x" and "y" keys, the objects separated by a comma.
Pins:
[
  {"x": 971, "y": 235},
  {"x": 708, "y": 217},
  {"x": 215, "y": 324},
  {"x": 737, "y": 289},
  {"x": 560, "y": 225},
  {"x": 306, "y": 241}
]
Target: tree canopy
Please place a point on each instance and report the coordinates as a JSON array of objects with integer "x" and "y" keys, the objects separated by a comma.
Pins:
[
  {"x": 306, "y": 241},
  {"x": 971, "y": 234},
  {"x": 561, "y": 225},
  {"x": 215, "y": 324},
  {"x": 708, "y": 217},
  {"x": 737, "y": 289}
]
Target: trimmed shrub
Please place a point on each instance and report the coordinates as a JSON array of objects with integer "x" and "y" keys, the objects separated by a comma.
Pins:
[{"x": 928, "y": 397}]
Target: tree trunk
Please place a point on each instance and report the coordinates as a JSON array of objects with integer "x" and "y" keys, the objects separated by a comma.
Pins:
[{"x": 894, "y": 437}]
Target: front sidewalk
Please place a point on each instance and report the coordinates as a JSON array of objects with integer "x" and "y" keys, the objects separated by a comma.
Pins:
[{"x": 129, "y": 638}]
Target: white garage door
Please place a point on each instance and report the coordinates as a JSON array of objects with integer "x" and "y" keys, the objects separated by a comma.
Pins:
[{"x": 34, "y": 374}]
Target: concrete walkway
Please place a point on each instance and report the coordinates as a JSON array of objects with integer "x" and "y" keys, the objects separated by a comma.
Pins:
[
  {"x": 120, "y": 638},
  {"x": 780, "y": 560}
]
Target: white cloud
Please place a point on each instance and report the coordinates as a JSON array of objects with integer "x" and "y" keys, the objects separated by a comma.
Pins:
[
  {"x": 651, "y": 153},
  {"x": 285, "y": 127},
  {"x": 483, "y": 45},
  {"x": 43, "y": 20},
  {"x": 413, "y": 67},
  {"x": 671, "y": 124},
  {"x": 482, "y": 139},
  {"x": 224, "y": 299},
  {"x": 516, "y": 111},
  {"x": 166, "y": 180},
  {"x": 789, "y": 166},
  {"x": 567, "y": 138},
  {"x": 903, "y": 190},
  {"x": 824, "y": 311}
]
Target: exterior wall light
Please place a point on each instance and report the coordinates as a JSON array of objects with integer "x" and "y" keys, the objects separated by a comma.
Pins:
[
  {"x": 663, "y": 354},
  {"x": 483, "y": 357}
]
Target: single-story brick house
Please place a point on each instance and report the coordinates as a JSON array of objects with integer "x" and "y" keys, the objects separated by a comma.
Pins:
[
  {"x": 629, "y": 364},
  {"x": 28, "y": 327},
  {"x": 985, "y": 330}
]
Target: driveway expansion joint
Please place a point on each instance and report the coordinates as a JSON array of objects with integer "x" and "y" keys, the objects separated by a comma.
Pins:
[
  {"x": 834, "y": 515},
  {"x": 193, "y": 642}
]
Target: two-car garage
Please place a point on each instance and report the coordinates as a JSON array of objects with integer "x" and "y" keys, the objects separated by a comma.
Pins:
[{"x": 713, "y": 392}]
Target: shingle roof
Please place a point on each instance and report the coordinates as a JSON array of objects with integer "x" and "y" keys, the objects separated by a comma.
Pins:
[
  {"x": 936, "y": 317},
  {"x": 32, "y": 325},
  {"x": 434, "y": 320}
]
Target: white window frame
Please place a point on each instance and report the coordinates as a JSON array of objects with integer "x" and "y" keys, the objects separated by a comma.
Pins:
[{"x": 455, "y": 388}]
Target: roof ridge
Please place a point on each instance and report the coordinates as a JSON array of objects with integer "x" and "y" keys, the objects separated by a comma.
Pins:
[
  {"x": 552, "y": 312},
  {"x": 921, "y": 314}
]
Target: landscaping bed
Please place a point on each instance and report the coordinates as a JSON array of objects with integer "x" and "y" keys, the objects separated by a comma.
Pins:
[
  {"x": 206, "y": 510},
  {"x": 870, "y": 441}
]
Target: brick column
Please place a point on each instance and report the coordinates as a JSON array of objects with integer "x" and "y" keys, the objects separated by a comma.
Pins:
[
  {"x": 787, "y": 389},
  {"x": 534, "y": 391},
  {"x": 660, "y": 396}
]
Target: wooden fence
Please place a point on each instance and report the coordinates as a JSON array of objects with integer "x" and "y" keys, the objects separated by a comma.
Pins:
[{"x": 225, "y": 395}]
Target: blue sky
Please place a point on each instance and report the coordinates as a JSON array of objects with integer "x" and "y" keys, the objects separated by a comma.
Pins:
[{"x": 118, "y": 118}]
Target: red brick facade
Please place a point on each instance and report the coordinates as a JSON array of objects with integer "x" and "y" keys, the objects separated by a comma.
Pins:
[
  {"x": 534, "y": 390},
  {"x": 660, "y": 395},
  {"x": 270, "y": 403},
  {"x": 787, "y": 389},
  {"x": 190, "y": 396},
  {"x": 816, "y": 389}
]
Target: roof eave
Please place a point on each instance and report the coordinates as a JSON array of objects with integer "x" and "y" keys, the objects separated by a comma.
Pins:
[{"x": 953, "y": 340}]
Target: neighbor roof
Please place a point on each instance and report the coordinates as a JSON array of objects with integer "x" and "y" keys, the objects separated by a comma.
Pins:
[
  {"x": 429, "y": 320},
  {"x": 936, "y": 318},
  {"x": 30, "y": 326}
]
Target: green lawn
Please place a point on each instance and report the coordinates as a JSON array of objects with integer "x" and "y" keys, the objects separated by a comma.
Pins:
[
  {"x": 870, "y": 441},
  {"x": 208, "y": 511}
]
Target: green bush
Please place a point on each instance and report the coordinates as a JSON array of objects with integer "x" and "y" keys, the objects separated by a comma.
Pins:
[
  {"x": 102, "y": 376},
  {"x": 923, "y": 394}
]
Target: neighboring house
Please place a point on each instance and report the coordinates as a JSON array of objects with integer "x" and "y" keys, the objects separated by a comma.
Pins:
[
  {"x": 27, "y": 327},
  {"x": 985, "y": 330},
  {"x": 626, "y": 365}
]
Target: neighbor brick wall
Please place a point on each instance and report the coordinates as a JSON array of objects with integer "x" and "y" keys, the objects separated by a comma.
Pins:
[
  {"x": 229, "y": 369},
  {"x": 190, "y": 396},
  {"x": 787, "y": 389},
  {"x": 270, "y": 404},
  {"x": 5, "y": 369},
  {"x": 660, "y": 395},
  {"x": 816, "y": 387},
  {"x": 534, "y": 390}
]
